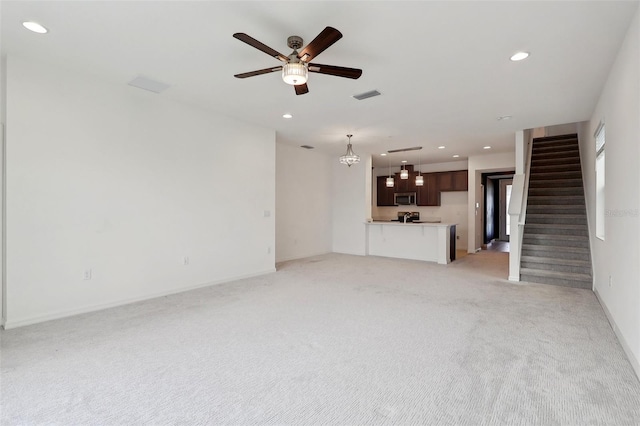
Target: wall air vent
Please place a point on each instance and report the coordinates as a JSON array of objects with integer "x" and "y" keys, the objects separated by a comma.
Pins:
[
  {"x": 145, "y": 83},
  {"x": 306, "y": 146},
  {"x": 415, "y": 148},
  {"x": 366, "y": 95}
]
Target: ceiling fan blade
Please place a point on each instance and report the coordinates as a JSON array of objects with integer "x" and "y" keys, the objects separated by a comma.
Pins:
[
  {"x": 337, "y": 71},
  {"x": 326, "y": 38},
  {"x": 260, "y": 46},
  {"x": 257, "y": 72},
  {"x": 301, "y": 89}
]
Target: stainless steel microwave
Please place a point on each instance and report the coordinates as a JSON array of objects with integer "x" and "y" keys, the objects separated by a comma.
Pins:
[{"x": 404, "y": 198}]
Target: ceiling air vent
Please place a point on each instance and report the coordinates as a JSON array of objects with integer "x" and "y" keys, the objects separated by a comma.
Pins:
[
  {"x": 145, "y": 83},
  {"x": 306, "y": 146},
  {"x": 366, "y": 95},
  {"x": 414, "y": 148}
]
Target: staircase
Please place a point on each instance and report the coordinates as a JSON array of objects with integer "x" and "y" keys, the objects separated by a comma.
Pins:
[{"x": 555, "y": 243}]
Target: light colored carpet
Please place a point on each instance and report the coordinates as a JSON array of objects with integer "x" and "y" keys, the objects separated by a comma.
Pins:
[{"x": 332, "y": 339}]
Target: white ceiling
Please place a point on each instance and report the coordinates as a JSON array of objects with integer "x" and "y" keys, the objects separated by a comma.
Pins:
[{"x": 443, "y": 68}]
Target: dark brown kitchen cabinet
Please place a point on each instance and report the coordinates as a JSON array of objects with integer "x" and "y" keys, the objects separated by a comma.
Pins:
[
  {"x": 460, "y": 180},
  {"x": 385, "y": 195},
  {"x": 445, "y": 181},
  {"x": 452, "y": 181},
  {"x": 428, "y": 194},
  {"x": 401, "y": 184},
  {"x": 406, "y": 185},
  {"x": 411, "y": 185}
]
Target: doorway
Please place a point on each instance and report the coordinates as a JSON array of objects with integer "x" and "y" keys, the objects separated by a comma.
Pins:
[
  {"x": 496, "y": 197},
  {"x": 503, "y": 214}
]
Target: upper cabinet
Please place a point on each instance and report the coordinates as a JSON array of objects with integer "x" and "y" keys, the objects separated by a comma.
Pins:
[
  {"x": 406, "y": 185},
  {"x": 460, "y": 180},
  {"x": 385, "y": 195},
  {"x": 445, "y": 181},
  {"x": 426, "y": 195},
  {"x": 453, "y": 181}
]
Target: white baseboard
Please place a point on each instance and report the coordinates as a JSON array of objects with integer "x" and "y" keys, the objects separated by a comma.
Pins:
[
  {"x": 623, "y": 342},
  {"x": 98, "y": 307},
  {"x": 514, "y": 278},
  {"x": 303, "y": 256}
]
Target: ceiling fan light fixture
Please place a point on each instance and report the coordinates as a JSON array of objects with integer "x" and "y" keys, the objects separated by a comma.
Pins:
[
  {"x": 350, "y": 157},
  {"x": 295, "y": 73}
]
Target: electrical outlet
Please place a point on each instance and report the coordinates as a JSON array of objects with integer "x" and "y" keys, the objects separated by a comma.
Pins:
[
  {"x": 268, "y": 250},
  {"x": 87, "y": 274},
  {"x": 610, "y": 281},
  {"x": 185, "y": 260}
]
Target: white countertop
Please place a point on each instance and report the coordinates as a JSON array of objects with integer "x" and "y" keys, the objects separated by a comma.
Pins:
[{"x": 414, "y": 224}]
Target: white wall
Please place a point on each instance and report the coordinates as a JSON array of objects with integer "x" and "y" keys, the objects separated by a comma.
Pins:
[
  {"x": 120, "y": 181},
  {"x": 618, "y": 256},
  {"x": 3, "y": 82},
  {"x": 477, "y": 165},
  {"x": 561, "y": 129},
  {"x": 351, "y": 188},
  {"x": 303, "y": 202}
]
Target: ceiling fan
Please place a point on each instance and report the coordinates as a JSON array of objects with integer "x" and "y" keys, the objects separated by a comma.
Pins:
[{"x": 297, "y": 65}]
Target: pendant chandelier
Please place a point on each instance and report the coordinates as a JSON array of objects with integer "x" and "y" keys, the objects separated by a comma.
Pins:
[{"x": 349, "y": 158}]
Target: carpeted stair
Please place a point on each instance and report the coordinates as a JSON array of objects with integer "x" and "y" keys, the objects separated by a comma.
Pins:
[{"x": 555, "y": 245}]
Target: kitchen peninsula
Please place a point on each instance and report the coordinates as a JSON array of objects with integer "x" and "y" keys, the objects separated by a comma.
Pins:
[{"x": 432, "y": 242}]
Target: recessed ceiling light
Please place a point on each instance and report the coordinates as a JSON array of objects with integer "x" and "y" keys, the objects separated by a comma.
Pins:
[
  {"x": 505, "y": 117},
  {"x": 35, "y": 27},
  {"x": 287, "y": 115},
  {"x": 487, "y": 147},
  {"x": 404, "y": 161},
  {"x": 456, "y": 156},
  {"x": 441, "y": 147},
  {"x": 384, "y": 154},
  {"x": 518, "y": 56}
]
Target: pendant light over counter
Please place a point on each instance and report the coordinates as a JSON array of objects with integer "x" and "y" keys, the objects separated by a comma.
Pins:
[
  {"x": 404, "y": 173},
  {"x": 419, "y": 177},
  {"x": 350, "y": 157},
  {"x": 390, "y": 182}
]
